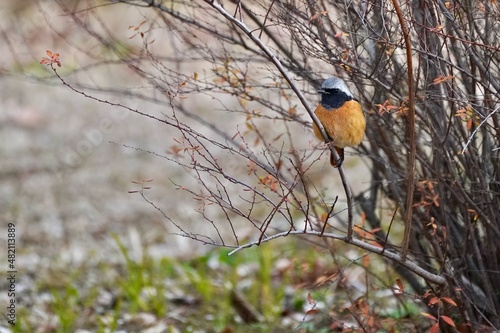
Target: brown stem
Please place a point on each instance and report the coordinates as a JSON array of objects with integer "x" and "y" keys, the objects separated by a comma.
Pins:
[{"x": 410, "y": 132}]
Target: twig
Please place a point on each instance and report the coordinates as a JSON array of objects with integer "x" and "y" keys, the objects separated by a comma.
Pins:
[
  {"x": 477, "y": 128},
  {"x": 386, "y": 240},
  {"x": 328, "y": 215}
]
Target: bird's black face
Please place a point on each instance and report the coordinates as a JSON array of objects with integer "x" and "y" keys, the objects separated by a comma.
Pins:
[{"x": 333, "y": 98}]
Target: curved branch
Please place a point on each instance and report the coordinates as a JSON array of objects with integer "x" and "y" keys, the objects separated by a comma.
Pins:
[{"x": 396, "y": 257}]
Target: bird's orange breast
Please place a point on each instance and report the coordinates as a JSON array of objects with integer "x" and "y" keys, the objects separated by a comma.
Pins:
[{"x": 345, "y": 125}]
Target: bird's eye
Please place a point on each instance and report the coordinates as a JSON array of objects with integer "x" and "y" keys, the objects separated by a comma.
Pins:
[{"x": 335, "y": 90}]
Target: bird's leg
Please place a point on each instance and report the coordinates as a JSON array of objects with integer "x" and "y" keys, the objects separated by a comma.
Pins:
[{"x": 338, "y": 163}]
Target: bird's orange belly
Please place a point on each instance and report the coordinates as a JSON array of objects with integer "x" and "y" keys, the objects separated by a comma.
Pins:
[{"x": 345, "y": 125}]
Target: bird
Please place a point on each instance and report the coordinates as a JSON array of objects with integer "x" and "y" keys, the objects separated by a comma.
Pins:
[{"x": 342, "y": 117}]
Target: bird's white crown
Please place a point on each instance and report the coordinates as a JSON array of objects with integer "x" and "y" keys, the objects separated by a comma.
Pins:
[{"x": 335, "y": 82}]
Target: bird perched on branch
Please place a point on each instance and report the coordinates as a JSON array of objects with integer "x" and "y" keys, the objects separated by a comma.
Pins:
[{"x": 341, "y": 116}]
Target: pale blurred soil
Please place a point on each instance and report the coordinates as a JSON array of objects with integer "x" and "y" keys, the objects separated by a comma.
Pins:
[{"x": 65, "y": 187}]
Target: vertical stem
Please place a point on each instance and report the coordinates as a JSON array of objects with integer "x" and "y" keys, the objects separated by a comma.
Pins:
[{"x": 410, "y": 132}]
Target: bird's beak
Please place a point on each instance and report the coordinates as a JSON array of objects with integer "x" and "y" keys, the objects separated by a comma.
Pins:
[{"x": 321, "y": 91}]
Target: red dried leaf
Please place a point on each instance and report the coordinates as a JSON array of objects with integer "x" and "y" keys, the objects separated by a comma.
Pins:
[
  {"x": 54, "y": 59},
  {"x": 324, "y": 216},
  {"x": 434, "y": 328},
  {"x": 400, "y": 285},
  {"x": 366, "y": 261},
  {"x": 448, "y": 320},
  {"x": 441, "y": 79},
  {"x": 312, "y": 311},
  {"x": 433, "y": 301},
  {"x": 469, "y": 124},
  {"x": 428, "y": 315},
  {"x": 449, "y": 300}
]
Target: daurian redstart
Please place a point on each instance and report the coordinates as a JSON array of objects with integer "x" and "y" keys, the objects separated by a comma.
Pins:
[{"x": 341, "y": 116}]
